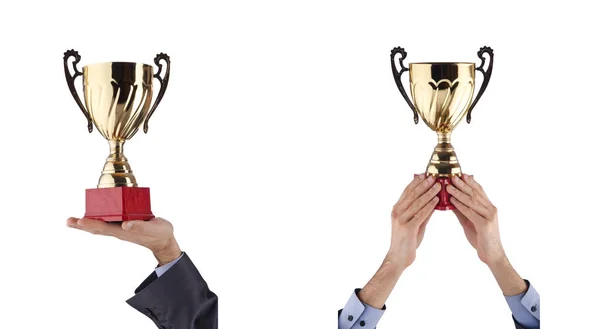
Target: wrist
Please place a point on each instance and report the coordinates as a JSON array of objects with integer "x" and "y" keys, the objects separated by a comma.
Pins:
[
  {"x": 395, "y": 260},
  {"x": 508, "y": 279},
  {"x": 167, "y": 252},
  {"x": 497, "y": 261}
]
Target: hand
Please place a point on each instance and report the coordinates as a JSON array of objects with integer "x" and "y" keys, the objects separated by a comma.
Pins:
[
  {"x": 409, "y": 219},
  {"x": 478, "y": 217},
  {"x": 155, "y": 234},
  {"x": 410, "y": 216}
]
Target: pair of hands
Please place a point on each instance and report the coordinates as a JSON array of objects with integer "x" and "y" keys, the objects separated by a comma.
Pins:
[
  {"x": 474, "y": 211},
  {"x": 155, "y": 234}
]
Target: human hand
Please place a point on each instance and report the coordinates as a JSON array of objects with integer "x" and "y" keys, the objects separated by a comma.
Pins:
[
  {"x": 478, "y": 217},
  {"x": 155, "y": 234},
  {"x": 410, "y": 216}
]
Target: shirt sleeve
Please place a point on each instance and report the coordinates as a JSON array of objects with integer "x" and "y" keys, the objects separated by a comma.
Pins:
[
  {"x": 163, "y": 269},
  {"x": 357, "y": 315},
  {"x": 525, "y": 307}
]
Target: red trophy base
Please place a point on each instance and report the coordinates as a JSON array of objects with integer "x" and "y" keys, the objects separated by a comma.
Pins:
[
  {"x": 117, "y": 204},
  {"x": 444, "y": 203}
]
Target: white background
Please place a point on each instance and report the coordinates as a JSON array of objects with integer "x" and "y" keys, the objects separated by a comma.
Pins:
[{"x": 280, "y": 147}]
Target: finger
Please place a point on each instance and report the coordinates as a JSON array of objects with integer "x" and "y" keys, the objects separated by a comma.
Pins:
[
  {"x": 100, "y": 227},
  {"x": 422, "y": 228},
  {"x": 72, "y": 222},
  {"x": 411, "y": 186},
  {"x": 423, "y": 200},
  {"x": 480, "y": 195},
  {"x": 468, "y": 200},
  {"x": 460, "y": 184},
  {"x": 470, "y": 180},
  {"x": 469, "y": 213},
  {"x": 464, "y": 222},
  {"x": 422, "y": 215},
  {"x": 424, "y": 224},
  {"x": 421, "y": 188}
]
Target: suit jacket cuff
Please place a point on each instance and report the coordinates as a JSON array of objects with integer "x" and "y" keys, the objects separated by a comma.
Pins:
[{"x": 180, "y": 298}]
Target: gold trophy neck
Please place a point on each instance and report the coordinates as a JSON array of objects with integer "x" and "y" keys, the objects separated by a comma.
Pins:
[
  {"x": 117, "y": 171},
  {"x": 443, "y": 162}
]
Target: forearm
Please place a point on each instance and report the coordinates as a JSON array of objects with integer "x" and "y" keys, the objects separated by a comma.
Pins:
[
  {"x": 509, "y": 281},
  {"x": 379, "y": 288}
]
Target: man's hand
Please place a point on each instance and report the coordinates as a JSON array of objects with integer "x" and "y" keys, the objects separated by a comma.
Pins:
[
  {"x": 409, "y": 219},
  {"x": 410, "y": 216},
  {"x": 155, "y": 234},
  {"x": 479, "y": 219}
]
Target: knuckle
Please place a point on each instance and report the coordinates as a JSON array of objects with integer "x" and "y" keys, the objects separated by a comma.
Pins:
[
  {"x": 415, "y": 206},
  {"x": 397, "y": 212},
  {"x": 412, "y": 194}
]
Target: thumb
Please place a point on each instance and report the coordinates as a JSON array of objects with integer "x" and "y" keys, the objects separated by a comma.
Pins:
[
  {"x": 134, "y": 226},
  {"x": 153, "y": 227}
]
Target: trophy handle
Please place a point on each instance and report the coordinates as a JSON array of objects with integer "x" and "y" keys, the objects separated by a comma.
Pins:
[
  {"x": 487, "y": 74},
  {"x": 397, "y": 77},
  {"x": 71, "y": 83},
  {"x": 163, "y": 84}
]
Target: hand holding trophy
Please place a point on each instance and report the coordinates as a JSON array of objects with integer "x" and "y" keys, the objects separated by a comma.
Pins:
[
  {"x": 118, "y": 99},
  {"x": 442, "y": 94}
]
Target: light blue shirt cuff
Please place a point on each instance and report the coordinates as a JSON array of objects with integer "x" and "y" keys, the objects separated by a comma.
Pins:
[
  {"x": 525, "y": 307},
  {"x": 357, "y": 315},
  {"x": 163, "y": 269}
]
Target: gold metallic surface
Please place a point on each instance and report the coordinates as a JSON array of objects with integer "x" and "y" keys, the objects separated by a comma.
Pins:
[
  {"x": 118, "y": 96},
  {"x": 442, "y": 94}
]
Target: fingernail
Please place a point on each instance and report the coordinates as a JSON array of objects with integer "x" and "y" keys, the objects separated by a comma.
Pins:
[
  {"x": 438, "y": 185},
  {"x": 128, "y": 225},
  {"x": 421, "y": 176},
  {"x": 430, "y": 179}
]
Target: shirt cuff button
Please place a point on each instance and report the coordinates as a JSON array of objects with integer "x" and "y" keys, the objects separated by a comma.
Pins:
[
  {"x": 350, "y": 318},
  {"x": 362, "y": 323}
]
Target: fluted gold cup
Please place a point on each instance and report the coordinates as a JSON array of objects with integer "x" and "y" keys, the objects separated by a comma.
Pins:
[
  {"x": 443, "y": 94},
  {"x": 118, "y": 101}
]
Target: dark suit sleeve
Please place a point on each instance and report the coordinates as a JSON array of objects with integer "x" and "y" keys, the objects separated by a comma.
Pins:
[
  {"x": 179, "y": 299},
  {"x": 517, "y": 325}
]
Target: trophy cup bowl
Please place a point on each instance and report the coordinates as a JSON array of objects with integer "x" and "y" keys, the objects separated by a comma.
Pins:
[
  {"x": 442, "y": 93},
  {"x": 118, "y": 100}
]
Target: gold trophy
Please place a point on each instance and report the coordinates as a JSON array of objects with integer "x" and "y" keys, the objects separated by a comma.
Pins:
[
  {"x": 442, "y": 94},
  {"x": 118, "y": 99}
]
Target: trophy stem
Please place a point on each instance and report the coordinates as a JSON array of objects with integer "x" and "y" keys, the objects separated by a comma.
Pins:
[
  {"x": 444, "y": 162},
  {"x": 117, "y": 171}
]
